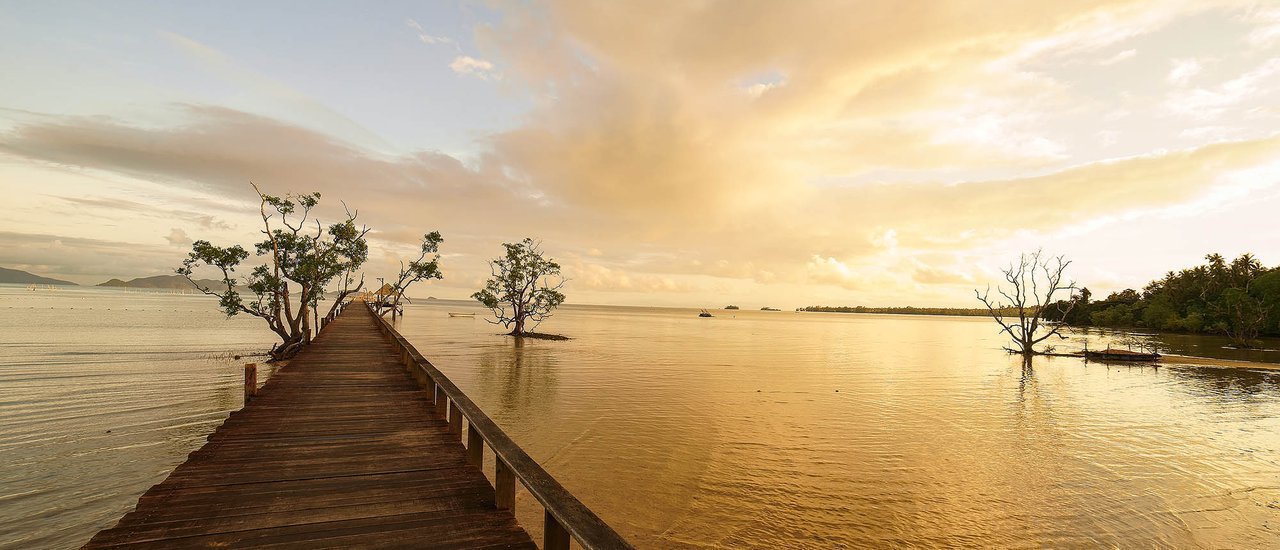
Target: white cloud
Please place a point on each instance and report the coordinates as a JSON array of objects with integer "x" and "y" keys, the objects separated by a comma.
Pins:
[
  {"x": 758, "y": 89},
  {"x": 1266, "y": 30},
  {"x": 1183, "y": 71},
  {"x": 1211, "y": 103},
  {"x": 428, "y": 38},
  {"x": 479, "y": 68},
  {"x": 178, "y": 237},
  {"x": 1121, "y": 56}
]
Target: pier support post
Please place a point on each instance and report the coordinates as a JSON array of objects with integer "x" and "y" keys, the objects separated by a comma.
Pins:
[
  {"x": 250, "y": 382},
  {"x": 554, "y": 535},
  {"x": 504, "y": 490}
]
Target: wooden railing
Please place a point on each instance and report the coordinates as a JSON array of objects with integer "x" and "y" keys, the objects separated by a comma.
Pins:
[
  {"x": 564, "y": 515},
  {"x": 324, "y": 322}
]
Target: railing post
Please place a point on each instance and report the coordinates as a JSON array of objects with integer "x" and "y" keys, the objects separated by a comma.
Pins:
[
  {"x": 504, "y": 490},
  {"x": 475, "y": 446},
  {"x": 250, "y": 382},
  {"x": 455, "y": 420},
  {"x": 442, "y": 401},
  {"x": 554, "y": 535}
]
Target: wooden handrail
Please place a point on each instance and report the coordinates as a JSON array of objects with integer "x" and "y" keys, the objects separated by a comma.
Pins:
[
  {"x": 565, "y": 516},
  {"x": 324, "y": 321}
]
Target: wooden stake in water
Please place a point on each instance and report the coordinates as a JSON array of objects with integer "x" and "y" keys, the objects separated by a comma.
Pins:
[{"x": 250, "y": 381}]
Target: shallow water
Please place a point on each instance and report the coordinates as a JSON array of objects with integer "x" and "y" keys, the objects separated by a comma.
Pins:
[
  {"x": 782, "y": 429},
  {"x": 102, "y": 393},
  {"x": 750, "y": 429}
]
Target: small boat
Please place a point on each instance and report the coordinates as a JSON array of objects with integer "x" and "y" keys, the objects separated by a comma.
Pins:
[
  {"x": 769, "y": 309},
  {"x": 1111, "y": 354},
  {"x": 704, "y": 313},
  {"x": 457, "y": 314}
]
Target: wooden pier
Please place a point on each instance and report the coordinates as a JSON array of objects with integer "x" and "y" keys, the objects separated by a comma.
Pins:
[{"x": 355, "y": 443}]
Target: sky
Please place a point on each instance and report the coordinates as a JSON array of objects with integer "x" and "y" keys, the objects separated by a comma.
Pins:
[{"x": 695, "y": 154}]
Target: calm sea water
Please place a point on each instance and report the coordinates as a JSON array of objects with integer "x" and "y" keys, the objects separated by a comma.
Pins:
[
  {"x": 751, "y": 429},
  {"x": 786, "y": 430},
  {"x": 102, "y": 393}
]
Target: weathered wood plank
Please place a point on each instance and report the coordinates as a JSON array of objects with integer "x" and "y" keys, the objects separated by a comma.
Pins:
[{"x": 339, "y": 448}]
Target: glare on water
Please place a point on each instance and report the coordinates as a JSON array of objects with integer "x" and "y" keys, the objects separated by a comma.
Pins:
[
  {"x": 749, "y": 429},
  {"x": 778, "y": 429}
]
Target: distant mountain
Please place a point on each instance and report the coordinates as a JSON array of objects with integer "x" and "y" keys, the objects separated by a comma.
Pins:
[
  {"x": 174, "y": 282},
  {"x": 15, "y": 276}
]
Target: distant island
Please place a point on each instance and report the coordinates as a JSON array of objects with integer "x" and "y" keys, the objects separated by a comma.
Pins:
[
  {"x": 16, "y": 276},
  {"x": 166, "y": 282},
  {"x": 908, "y": 310},
  {"x": 767, "y": 308}
]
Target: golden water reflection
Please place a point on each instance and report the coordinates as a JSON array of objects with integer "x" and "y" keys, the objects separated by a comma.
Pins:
[{"x": 803, "y": 430}]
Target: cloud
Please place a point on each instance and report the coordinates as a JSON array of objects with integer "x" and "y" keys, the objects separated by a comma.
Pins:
[
  {"x": 1212, "y": 103},
  {"x": 760, "y": 88},
  {"x": 479, "y": 204},
  {"x": 1122, "y": 55},
  {"x": 428, "y": 38},
  {"x": 720, "y": 141},
  {"x": 1183, "y": 71},
  {"x": 470, "y": 66},
  {"x": 284, "y": 101},
  {"x": 153, "y": 210},
  {"x": 1265, "y": 31},
  {"x": 86, "y": 261},
  {"x": 178, "y": 237}
]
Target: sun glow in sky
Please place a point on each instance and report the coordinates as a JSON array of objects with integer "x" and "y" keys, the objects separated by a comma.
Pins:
[{"x": 669, "y": 153}]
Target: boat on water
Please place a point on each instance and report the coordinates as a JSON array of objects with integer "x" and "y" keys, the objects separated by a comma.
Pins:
[
  {"x": 1111, "y": 354},
  {"x": 457, "y": 314},
  {"x": 704, "y": 313}
]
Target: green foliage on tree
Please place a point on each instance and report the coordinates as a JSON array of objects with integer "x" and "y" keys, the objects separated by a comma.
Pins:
[
  {"x": 303, "y": 258},
  {"x": 1239, "y": 299},
  {"x": 525, "y": 287}
]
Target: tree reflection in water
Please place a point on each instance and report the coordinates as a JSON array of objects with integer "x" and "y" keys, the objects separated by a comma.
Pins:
[{"x": 522, "y": 374}]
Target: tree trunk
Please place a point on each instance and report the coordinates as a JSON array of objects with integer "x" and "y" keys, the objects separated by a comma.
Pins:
[{"x": 287, "y": 348}]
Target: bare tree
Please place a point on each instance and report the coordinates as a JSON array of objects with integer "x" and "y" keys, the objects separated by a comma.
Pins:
[
  {"x": 525, "y": 287},
  {"x": 1033, "y": 281}
]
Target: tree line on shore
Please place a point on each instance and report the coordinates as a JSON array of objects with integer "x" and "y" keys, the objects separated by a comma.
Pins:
[{"x": 1239, "y": 299}]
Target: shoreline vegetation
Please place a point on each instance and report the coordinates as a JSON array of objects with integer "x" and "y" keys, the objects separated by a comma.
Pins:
[{"x": 1239, "y": 299}]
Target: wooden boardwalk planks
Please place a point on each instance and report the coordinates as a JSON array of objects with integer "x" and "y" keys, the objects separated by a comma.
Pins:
[{"x": 339, "y": 449}]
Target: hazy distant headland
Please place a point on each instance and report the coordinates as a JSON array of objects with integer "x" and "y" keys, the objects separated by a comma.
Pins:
[
  {"x": 19, "y": 277},
  {"x": 909, "y": 310},
  {"x": 167, "y": 282},
  {"x": 160, "y": 282}
]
